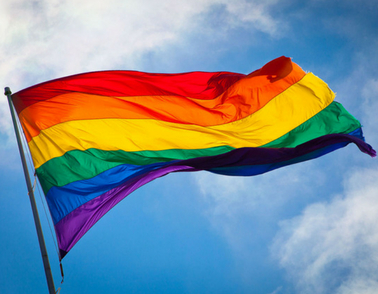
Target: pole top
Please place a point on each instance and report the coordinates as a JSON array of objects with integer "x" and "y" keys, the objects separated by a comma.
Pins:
[{"x": 7, "y": 91}]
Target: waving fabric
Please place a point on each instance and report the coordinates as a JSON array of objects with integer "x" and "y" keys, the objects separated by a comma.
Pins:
[{"x": 96, "y": 137}]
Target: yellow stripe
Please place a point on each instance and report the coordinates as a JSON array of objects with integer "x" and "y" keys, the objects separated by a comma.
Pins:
[{"x": 282, "y": 114}]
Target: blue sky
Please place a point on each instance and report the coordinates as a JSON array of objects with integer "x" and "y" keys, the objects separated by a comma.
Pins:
[{"x": 306, "y": 228}]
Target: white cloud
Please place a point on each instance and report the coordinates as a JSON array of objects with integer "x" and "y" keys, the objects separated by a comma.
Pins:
[
  {"x": 253, "y": 12},
  {"x": 230, "y": 196},
  {"x": 65, "y": 37},
  {"x": 46, "y": 39},
  {"x": 332, "y": 247},
  {"x": 237, "y": 206}
]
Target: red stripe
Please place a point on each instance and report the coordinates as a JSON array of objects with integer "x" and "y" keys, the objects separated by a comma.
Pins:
[{"x": 197, "y": 85}]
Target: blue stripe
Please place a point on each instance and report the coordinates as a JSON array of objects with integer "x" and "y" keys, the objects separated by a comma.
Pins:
[{"x": 63, "y": 200}]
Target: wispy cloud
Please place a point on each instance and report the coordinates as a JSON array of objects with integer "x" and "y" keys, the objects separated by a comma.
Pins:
[
  {"x": 46, "y": 39},
  {"x": 278, "y": 290},
  {"x": 236, "y": 206},
  {"x": 230, "y": 196},
  {"x": 332, "y": 247}
]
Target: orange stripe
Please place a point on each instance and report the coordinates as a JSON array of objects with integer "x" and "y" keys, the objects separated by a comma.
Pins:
[{"x": 243, "y": 98}]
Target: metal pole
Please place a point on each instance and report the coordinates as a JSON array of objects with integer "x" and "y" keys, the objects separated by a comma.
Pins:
[{"x": 41, "y": 240}]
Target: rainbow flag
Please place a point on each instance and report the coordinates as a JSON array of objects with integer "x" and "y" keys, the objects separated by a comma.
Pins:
[{"x": 96, "y": 137}]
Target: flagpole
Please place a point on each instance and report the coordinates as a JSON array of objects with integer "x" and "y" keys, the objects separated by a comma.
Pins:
[{"x": 41, "y": 240}]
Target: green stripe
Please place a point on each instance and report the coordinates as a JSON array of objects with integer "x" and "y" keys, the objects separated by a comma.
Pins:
[{"x": 79, "y": 165}]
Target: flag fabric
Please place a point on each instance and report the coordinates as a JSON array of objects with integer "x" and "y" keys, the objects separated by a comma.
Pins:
[{"x": 96, "y": 137}]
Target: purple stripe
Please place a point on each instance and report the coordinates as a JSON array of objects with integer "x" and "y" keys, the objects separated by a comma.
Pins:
[
  {"x": 259, "y": 156},
  {"x": 73, "y": 226}
]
